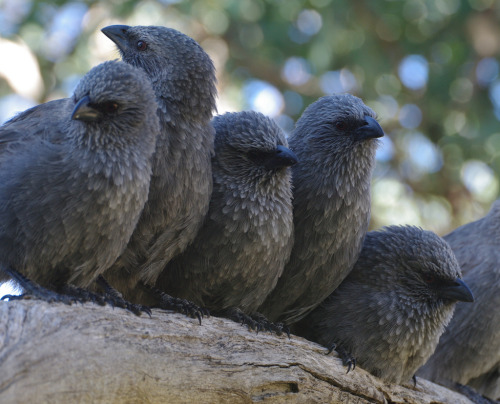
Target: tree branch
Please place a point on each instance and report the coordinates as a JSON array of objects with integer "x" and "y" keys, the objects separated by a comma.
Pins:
[{"x": 59, "y": 354}]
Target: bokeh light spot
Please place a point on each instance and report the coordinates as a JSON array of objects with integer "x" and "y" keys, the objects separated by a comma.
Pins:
[
  {"x": 385, "y": 150},
  {"x": 263, "y": 97},
  {"x": 410, "y": 116},
  {"x": 486, "y": 71},
  {"x": 296, "y": 71},
  {"x": 422, "y": 156},
  {"x": 480, "y": 180},
  {"x": 338, "y": 81},
  {"x": 414, "y": 71},
  {"x": 309, "y": 22}
]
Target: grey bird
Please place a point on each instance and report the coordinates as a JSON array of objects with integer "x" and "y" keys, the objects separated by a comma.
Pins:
[
  {"x": 334, "y": 140},
  {"x": 469, "y": 351},
  {"x": 183, "y": 78},
  {"x": 241, "y": 250},
  {"x": 392, "y": 308},
  {"x": 74, "y": 178}
]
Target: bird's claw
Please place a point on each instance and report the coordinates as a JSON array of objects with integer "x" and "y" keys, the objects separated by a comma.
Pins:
[
  {"x": 183, "y": 306},
  {"x": 277, "y": 328},
  {"x": 347, "y": 359},
  {"x": 115, "y": 299}
]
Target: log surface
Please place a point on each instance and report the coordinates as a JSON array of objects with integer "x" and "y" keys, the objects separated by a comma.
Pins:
[{"x": 53, "y": 353}]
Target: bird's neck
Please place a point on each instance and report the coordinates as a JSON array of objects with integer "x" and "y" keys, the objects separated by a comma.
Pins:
[{"x": 338, "y": 174}]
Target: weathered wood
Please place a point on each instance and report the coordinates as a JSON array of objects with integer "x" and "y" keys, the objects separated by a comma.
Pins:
[{"x": 70, "y": 354}]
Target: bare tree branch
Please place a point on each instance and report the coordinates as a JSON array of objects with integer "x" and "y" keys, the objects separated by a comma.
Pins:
[{"x": 59, "y": 354}]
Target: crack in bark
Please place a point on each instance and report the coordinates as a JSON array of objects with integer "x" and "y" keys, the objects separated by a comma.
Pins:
[{"x": 321, "y": 378}]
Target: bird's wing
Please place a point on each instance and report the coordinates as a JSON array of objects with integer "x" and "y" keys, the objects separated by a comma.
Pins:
[{"x": 42, "y": 123}]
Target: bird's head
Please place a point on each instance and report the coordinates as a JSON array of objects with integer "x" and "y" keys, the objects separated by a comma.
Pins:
[
  {"x": 115, "y": 94},
  {"x": 176, "y": 64},
  {"x": 337, "y": 122},
  {"x": 421, "y": 266},
  {"x": 251, "y": 146}
]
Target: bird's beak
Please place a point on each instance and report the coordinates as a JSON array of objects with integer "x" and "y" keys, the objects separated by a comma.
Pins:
[
  {"x": 371, "y": 129},
  {"x": 84, "y": 112},
  {"x": 283, "y": 157},
  {"x": 456, "y": 290},
  {"x": 118, "y": 34}
]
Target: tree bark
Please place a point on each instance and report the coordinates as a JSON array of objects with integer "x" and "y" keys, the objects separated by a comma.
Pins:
[{"x": 85, "y": 353}]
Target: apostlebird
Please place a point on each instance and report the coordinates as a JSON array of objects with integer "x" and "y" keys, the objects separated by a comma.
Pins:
[
  {"x": 469, "y": 350},
  {"x": 392, "y": 308},
  {"x": 183, "y": 78},
  {"x": 74, "y": 178},
  {"x": 334, "y": 140},
  {"x": 241, "y": 250}
]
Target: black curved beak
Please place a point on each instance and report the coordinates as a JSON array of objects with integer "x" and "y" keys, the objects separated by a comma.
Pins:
[
  {"x": 283, "y": 157},
  {"x": 84, "y": 112},
  {"x": 370, "y": 130},
  {"x": 457, "y": 290},
  {"x": 118, "y": 34}
]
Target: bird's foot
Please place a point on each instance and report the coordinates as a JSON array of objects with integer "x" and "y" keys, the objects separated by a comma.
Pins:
[
  {"x": 347, "y": 359},
  {"x": 115, "y": 298},
  {"x": 84, "y": 295},
  {"x": 35, "y": 291},
  {"x": 266, "y": 325},
  {"x": 179, "y": 305},
  {"x": 238, "y": 316}
]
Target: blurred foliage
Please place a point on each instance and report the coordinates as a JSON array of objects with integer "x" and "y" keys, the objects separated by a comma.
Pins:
[{"x": 429, "y": 68}]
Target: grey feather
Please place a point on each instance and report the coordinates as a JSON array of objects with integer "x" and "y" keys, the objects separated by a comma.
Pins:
[
  {"x": 183, "y": 78},
  {"x": 469, "y": 350},
  {"x": 336, "y": 148},
  {"x": 74, "y": 177},
  {"x": 239, "y": 253},
  {"x": 391, "y": 309}
]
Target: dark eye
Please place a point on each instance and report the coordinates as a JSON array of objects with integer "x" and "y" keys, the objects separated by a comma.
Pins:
[
  {"x": 141, "y": 45},
  {"x": 429, "y": 279},
  {"x": 108, "y": 107},
  {"x": 256, "y": 155},
  {"x": 340, "y": 125}
]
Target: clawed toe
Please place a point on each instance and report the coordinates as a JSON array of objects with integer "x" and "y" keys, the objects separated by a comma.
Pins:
[
  {"x": 347, "y": 359},
  {"x": 115, "y": 299},
  {"x": 265, "y": 324},
  {"x": 182, "y": 306}
]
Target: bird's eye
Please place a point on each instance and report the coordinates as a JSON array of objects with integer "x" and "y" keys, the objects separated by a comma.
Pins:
[
  {"x": 141, "y": 45},
  {"x": 255, "y": 155},
  {"x": 109, "y": 107},
  {"x": 340, "y": 125},
  {"x": 429, "y": 279}
]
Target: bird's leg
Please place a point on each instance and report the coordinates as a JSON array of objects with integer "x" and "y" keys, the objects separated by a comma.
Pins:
[
  {"x": 347, "y": 359},
  {"x": 115, "y": 298},
  {"x": 34, "y": 291},
  {"x": 277, "y": 328},
  {"x": 83, "y": 295},
  {"x": 238, "y": 316},
  {"x": 178, "y": 305}
]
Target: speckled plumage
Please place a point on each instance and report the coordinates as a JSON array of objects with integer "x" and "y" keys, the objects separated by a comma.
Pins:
[
  {"x": 246, "y": 239},
  {"x": 391, "y": 309},
  {"x": 183, "y": 78},
  {"x": 469, "y": 350},
  {"x": 331, "y": 188},
  {"x": 71, "y": 191}
]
